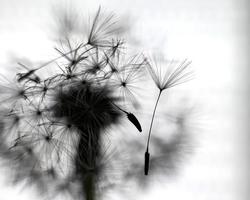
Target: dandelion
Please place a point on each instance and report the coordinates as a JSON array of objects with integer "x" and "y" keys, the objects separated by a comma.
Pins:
[
  {"x": 176, "y": 73},
  {"x": 54, "y": 126},
  {"x": 58, "y": 120}
]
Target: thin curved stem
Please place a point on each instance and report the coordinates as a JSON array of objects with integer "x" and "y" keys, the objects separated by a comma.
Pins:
[
  {"x": 119, "y": 107},
  {"x": 152, "y": 120}
]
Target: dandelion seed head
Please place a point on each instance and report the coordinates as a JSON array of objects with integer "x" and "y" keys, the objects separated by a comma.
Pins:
[
  {"x": 169, "y": 73},
  {"x": 86, "y": 106}
]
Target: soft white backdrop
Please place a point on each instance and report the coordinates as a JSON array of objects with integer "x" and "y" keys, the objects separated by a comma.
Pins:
[{"x": 212, "y": 33}]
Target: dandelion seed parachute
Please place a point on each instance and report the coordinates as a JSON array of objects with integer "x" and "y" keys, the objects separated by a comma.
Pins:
[
  {"x": 176, "y": 73},
  {"x": 170, "y": 74}
]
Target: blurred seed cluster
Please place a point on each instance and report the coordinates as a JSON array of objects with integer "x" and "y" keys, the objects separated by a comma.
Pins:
[{"x": 54, "y": 126}]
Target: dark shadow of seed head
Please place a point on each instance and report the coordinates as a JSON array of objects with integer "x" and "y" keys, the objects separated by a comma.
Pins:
[{"x": 86, "y": 106}]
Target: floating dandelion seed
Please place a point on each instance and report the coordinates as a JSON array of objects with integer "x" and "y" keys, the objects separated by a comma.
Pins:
[{"x": 176, "y": 73}]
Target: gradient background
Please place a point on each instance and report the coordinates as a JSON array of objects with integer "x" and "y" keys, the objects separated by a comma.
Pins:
[{"x": 214, "y": 34}]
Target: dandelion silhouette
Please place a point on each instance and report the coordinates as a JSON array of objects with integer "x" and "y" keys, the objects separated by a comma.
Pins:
[{"x": 52, "y": 127}]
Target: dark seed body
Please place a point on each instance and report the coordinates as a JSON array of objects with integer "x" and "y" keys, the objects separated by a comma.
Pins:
[
  {"x": 146, "y": 166},
  {"x": 135, "y": 121}
]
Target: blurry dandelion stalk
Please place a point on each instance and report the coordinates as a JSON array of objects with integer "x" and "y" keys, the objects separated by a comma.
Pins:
[{"x": 53, "y": 125}]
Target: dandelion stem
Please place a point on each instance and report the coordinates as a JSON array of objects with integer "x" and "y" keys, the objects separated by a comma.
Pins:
[{"x": 152, "y": 120}]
